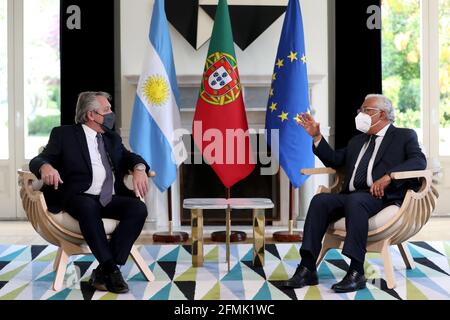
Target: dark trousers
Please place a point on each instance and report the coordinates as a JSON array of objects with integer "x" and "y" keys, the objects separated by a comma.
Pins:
[
  {"x": 131, "y": 213},
  {"x": 326, "y": 208}
]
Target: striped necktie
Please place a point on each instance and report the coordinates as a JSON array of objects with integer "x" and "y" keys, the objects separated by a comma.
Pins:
[
  {"x": 360, "y": 181},
  {"x": 107, "y": 187}
]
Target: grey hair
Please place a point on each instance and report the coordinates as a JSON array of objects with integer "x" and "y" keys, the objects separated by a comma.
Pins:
[
  {"x": 384, "y": 104},
  {"x": 87, "y": 101}
]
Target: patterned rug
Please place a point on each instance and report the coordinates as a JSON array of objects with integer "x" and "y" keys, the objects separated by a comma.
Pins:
[{"x": 26, "y": 274}]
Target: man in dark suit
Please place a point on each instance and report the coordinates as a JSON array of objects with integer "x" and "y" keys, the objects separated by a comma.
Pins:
[
  {"x": 368, "y": 160},
  {"x": 83, "y": 168}
]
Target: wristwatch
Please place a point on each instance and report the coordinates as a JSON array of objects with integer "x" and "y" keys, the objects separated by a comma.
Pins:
[{"x": 140, "y": 167}]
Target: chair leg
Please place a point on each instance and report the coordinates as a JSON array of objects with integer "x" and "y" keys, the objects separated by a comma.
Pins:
[
  {"x": 142, "y": 265},
  {"x": 322, "y": 255},
  {"x": 388, "y": 267},
  {"x": 61, "y": 266},
  {"x": 57, "y": 259},
  {"x": 329, "y": 243},
  {"x": 406, "y": 255}
]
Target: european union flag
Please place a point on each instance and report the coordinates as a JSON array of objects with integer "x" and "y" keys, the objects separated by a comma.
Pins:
[{"x": 289, "y": 98}]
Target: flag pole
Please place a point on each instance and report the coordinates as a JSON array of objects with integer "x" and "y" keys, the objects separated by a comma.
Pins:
[
  {"x": 290, "y": 235},
  {"x": 169, "y": 205},
  {"x": 170, "y": 236},
  {"x": 228, "y": 228},
  {"x": 291, "y": 207}
]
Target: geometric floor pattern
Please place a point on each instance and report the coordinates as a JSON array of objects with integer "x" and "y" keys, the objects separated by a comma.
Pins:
[{"x": 26, "y": 274}]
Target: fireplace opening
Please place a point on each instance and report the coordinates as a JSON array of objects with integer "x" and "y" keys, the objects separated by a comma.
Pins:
[{"x": 200, "y": 181}]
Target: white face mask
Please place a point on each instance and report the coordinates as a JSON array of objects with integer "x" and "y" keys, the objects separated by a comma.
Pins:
[{"x": 364, "y": 122}]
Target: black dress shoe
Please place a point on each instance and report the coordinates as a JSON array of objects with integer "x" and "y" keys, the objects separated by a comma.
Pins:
[
  {"x": 353, "y": 281},
  {"x": 301, "y": 278},
  {"x": 115, "y": 282},
  {"x": 97, "y": 280}
]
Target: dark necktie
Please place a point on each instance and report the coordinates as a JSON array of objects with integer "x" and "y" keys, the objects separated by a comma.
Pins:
[
  {"x": 360, "y": 181},
  {"x": 107, "y": 187}
]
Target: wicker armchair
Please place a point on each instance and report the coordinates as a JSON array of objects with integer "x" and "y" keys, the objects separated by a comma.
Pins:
[
  {"x": 62, "y": 230},
  {"x": 391, "y": 226}
]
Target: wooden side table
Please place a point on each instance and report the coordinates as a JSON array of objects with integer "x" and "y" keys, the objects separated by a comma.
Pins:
[
  {"x": 197, "y": 206},
  {"x": 257, "y": 205}
]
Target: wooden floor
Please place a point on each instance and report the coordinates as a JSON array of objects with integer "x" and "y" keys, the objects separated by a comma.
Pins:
[{"x": 437, "y": 229}]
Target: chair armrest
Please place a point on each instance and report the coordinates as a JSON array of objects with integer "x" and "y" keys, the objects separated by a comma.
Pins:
[
  {"x": 313, "y": 171},
  {"x": 26, "y": 174},
  {"x": 424, "y": 175},
  {"x": 338, "y": 178},
  {"x": 31, "y": 184},
  {"x": 411, "y": 174}
]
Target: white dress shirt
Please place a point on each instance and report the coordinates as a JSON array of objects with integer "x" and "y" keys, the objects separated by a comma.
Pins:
[
  {"x": 379, "y": 139},
  {"x": 98, "y": 170}
]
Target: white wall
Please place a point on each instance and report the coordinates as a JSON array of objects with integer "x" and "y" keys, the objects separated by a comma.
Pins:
[{"x": 258, "y": 59}]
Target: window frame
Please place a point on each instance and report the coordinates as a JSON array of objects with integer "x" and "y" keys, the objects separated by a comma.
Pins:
[
  {"x": 9, "y": 84},
  {"x": 15, "y": 82},
  {"x": 430, "y": 76}
]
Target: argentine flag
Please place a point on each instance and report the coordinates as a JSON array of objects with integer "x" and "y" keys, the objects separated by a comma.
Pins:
[{"x": 156, "y": 113}]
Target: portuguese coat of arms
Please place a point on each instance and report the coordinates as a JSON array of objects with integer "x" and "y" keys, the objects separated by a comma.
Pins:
[{"x": 220, "y": 84}]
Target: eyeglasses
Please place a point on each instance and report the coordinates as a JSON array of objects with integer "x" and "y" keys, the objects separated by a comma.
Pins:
[{"x": 365, "y": 110}]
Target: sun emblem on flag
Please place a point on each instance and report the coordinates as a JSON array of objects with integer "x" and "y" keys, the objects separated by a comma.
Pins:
[
  {"x": 156, "y": 90},
  {"x": 220, "y": 85}
]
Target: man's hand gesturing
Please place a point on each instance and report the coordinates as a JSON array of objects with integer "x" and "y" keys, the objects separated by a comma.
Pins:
[{"x": 311, "y": 126}]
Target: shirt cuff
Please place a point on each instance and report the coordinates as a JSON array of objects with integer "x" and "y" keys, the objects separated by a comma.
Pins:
[
  {"x": 140, "y": 166},
  {"x": 316, "y": 144}
]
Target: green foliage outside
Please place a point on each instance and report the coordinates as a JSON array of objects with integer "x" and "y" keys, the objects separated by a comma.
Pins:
[
  {"x": 401, "y": 60},
  {"x": 54, "y": 97},
  {"x": 42, "y": 126},
  {"x": 444, "y": 62},
  {"x": 42, "y": 68}
]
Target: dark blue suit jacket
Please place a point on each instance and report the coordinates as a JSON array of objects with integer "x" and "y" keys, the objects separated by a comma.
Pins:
[
  {"x": 67, "y": 151},
  {"x": 399, "y": 151}
]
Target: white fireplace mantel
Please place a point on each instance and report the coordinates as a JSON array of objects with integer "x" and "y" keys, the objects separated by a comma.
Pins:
[
  {"x": 255, "y": 116},
  {"x": 246, "y": 81}
]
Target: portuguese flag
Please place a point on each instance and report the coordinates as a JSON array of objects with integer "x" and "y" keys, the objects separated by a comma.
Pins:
[{"x": 220, "y": 127}]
